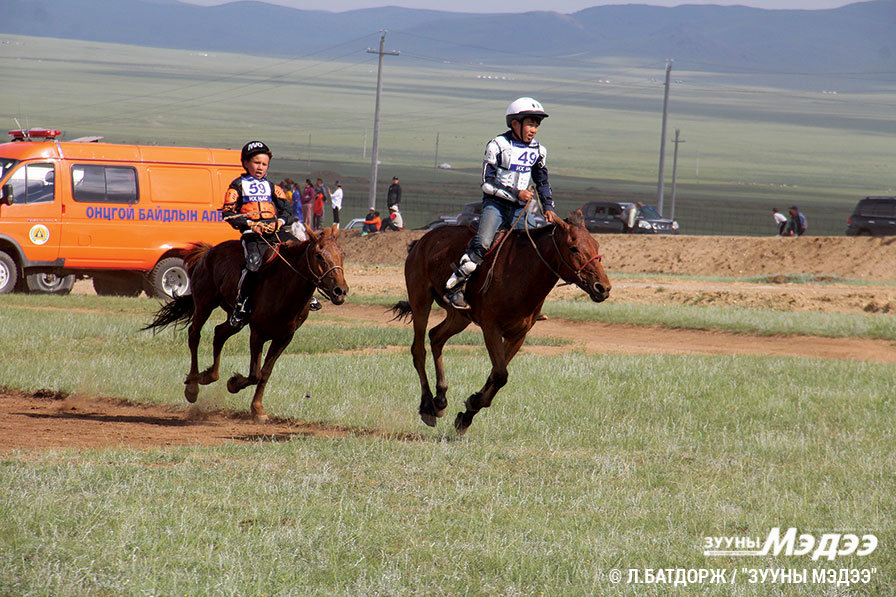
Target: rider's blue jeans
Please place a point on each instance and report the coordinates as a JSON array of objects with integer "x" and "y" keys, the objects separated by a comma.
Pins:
[{"x": 496, "y": 214}]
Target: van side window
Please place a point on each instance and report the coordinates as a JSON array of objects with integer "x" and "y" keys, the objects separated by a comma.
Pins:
[
  {"x": 104, "y": 184},
  {"x": 34, "y": 183}
]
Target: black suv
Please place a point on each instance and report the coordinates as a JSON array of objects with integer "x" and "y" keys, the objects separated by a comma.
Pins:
[
  {"x": 873, "y": 216},
  {"x": 625, "y": 217}
]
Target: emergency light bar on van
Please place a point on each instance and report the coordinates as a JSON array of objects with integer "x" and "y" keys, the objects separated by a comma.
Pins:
[{"x": 23, "y": 135}]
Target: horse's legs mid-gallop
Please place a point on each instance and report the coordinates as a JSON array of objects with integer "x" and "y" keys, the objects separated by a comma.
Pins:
[
  {"x": 258, "y": 373},
  {"x": 201, "y": 314},
  {"x": 453, "y": 324},
  {"x": 501, "y": 351},
  {"x": 238, "y": 382},
  {"x": 420, "y": 313}
]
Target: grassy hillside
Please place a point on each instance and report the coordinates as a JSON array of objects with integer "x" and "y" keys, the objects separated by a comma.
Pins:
[{"x": 751, "y": 142}]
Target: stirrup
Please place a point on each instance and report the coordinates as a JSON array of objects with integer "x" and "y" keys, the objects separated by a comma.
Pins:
[
  {"x": 314, "y": 304},
  {"x": 455, "y": 298}
]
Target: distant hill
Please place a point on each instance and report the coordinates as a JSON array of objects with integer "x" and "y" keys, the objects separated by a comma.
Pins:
[{"x": 859, "y": 37}]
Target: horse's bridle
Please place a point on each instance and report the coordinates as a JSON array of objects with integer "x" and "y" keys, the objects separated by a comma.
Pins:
[
  {"x": 578, "y": 272},
  {"x": 318, "y": 279},
  {"x": 314, "y": 277}
]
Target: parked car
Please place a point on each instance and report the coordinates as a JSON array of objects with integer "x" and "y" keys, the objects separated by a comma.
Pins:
[
  {"x": 355, "y": 224},
  {"x": 626, "y": 217},
  {"x": 873, "y": 216},
  {"x": 442, "y": 221}
]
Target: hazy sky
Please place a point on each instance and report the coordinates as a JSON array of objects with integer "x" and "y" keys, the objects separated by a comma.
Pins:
[{"x": 564, "y": 6}]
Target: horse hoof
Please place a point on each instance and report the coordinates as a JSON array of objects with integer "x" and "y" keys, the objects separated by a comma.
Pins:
[
  {"x": 461, "y": 424},
  {"x": 207, "y": 378},
  {"x": 191, "y": 392},
  {"x": 233, "y": 385},
  {"x": 441, "y": 412},
  {"x": 261, "y": 419},
  {"x": 429, "y": 419}
]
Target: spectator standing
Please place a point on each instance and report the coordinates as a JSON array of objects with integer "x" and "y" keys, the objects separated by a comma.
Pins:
[
  {"x": 797, "y": 225},
  {"x": 321, "y": 196},
  {"x": 298, "y": 226},
  {"x": 336, "y": 202},
  {"x": 308, "y": 201},
  {"x": 393, "y": 197},
  {"x": 780, "y": 221}
]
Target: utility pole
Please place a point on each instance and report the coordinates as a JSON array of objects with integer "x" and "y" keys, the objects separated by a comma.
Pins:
[
  {"x": 309, "y": 151},
  {"x": 659, "y": 186},
  {"x": 364, "y": 145},
  {"x": 674, "y": 170},
  {"x": 435, "y": 160},
  {"x": 376, "y": 117}
]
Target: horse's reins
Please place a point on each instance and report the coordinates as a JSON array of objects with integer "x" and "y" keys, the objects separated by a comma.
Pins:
[
  {"x": 314, "y": 278},
  {"x": 577, "y": 272}
]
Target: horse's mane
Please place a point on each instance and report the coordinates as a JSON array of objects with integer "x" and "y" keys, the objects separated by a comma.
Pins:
[{"x": 194, "y": 255}]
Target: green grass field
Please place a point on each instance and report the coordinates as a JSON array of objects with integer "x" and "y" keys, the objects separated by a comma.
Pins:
[
  {"x": 584, "y": 464},
  {"x": 749, "y": 145}
]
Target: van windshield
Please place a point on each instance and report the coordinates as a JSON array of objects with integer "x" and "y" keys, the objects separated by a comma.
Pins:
[{"x": 6, "y": 165}]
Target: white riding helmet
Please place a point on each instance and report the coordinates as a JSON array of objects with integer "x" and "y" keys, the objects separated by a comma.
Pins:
[{"x": 522, "y": 107}]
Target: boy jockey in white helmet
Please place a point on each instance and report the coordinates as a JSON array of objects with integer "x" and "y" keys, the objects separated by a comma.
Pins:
[{"x": 511, "y": 161}]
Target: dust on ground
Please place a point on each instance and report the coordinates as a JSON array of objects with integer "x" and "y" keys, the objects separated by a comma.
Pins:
[{"x": 46, "y": 419}]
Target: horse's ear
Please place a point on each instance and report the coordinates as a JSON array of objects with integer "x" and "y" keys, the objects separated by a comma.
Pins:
[
  {"x": 335, "y": 229},
  {"x": 312, "y": 235},
  {"x": 576, "y": 218}
]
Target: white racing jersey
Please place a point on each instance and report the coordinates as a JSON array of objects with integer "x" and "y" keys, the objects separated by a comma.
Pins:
[{"x": 510, "y": 166}]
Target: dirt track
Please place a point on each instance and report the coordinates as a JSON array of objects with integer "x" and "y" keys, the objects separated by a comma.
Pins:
[{"x": 47, "y": 419}]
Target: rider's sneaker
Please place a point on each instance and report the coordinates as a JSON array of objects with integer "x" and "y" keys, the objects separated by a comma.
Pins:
[
  {"x": 314, "y": 304},
  {"x": 238, "y": 318},
  {"x": 240, "y": 315},
  {"x": 456, "y": 299}
]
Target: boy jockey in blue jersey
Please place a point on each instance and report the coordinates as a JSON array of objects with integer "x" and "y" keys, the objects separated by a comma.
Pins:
[
  {"x": 512, "y": 160},
  {"x": 260, "y": 210}
]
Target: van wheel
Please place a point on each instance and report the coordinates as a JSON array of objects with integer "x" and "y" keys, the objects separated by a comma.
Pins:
[
  {"x": 118, "y": 284},
  {"x": 50, "y": 283},
  {"x": 168, "y": 279},
  {"x": 9, "y": 273}
]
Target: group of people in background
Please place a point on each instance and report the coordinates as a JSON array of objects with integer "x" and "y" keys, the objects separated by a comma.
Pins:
[
  {"x": 309, "y": 200},
  {"x": 794, "y": 226}
]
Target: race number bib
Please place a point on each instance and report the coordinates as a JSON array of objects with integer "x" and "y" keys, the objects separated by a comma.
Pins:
[
  {"x": 255, "y": 191},
  {"x": 523, "y": 157}
]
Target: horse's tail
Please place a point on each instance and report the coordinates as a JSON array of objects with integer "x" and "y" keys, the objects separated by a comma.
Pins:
[
  {"x": 178, "y": 311},
  {"x": 194, "y": 255},
  {"x": 402, "y": 311}
]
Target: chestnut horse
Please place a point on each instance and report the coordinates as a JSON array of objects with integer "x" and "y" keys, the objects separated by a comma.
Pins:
[
  {"x": 285, "y": 285},
  {"x": 504, "y": 302}
]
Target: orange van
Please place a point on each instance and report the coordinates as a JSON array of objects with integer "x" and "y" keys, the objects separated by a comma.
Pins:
[{"x": 120, "y": 214}]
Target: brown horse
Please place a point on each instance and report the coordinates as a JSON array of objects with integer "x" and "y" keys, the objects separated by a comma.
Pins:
[
  {"x": 504, "y": 302},
  {"x": 280, "y": 300}
]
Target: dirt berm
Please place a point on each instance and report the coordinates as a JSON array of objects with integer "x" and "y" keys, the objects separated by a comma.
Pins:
[{"x": 847, "y": 257}]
